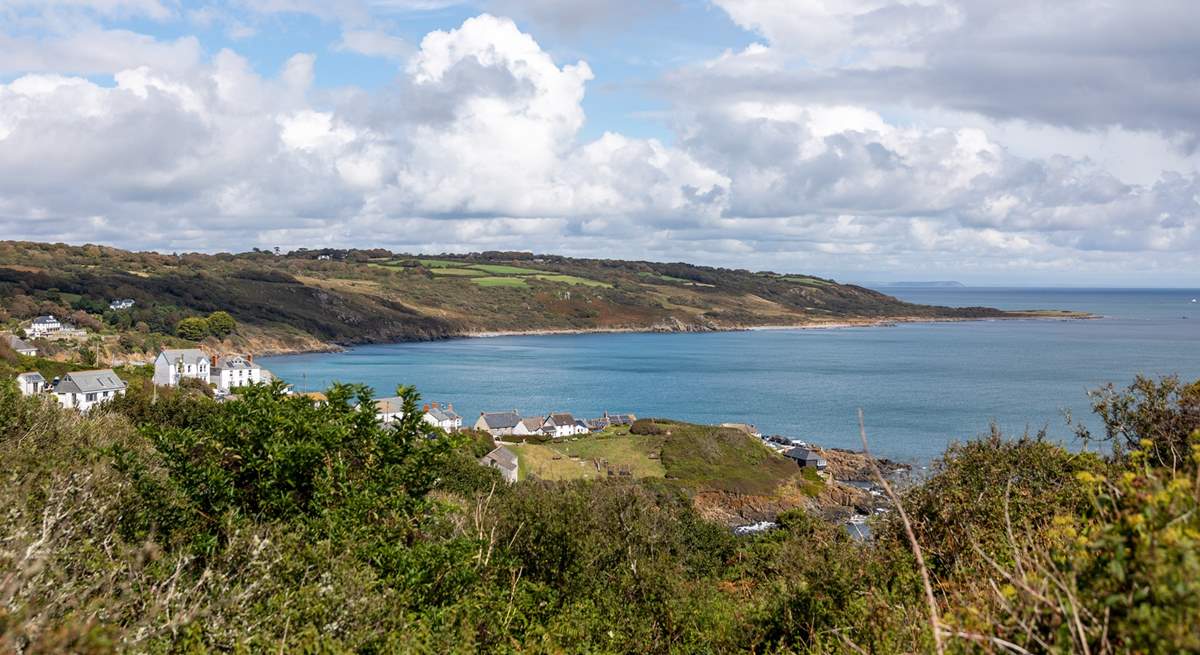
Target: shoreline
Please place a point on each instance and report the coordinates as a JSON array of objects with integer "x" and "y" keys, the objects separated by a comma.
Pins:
[
  {"x": 683, "y": 329},
  {"x": 821, "y": 325}
]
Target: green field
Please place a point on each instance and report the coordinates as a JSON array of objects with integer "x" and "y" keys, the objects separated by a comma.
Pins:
[
  {"x": 439, "y": 263},
  {"x": 499, "y": 281},
  {"x": 666, "y": 278},
  {"x": 459, "y": 272},
  {"x": 498, "y": 269},
  {"x": 571, "y": 279}
]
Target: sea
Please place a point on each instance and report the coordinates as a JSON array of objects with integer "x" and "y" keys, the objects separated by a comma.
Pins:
[{"x": 920, "y": 386}]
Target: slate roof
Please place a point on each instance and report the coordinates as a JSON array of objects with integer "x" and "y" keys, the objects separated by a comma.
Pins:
[
  {"x": 45, "y": 320},
  {"x": 501, "y": 420},
  {"x": 18, "y": 344},
  {"x": 804, "y": 455},
  {"x": 440, "y": 414},
  {"x": 533, "y": 423},
  {"x": 32, "y": 376},
  {"x": 393, "y": 405},
  {"x": 188, "y": 355},
  {"x": 89, "y": 382},
  {"x": 502, "y": 457},
  {"x": 235, "y": 362}
]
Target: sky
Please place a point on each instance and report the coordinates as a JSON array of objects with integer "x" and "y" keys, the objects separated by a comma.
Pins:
[{"x": 1000, "y": 142}]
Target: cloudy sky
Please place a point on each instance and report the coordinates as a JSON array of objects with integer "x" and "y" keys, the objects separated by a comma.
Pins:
[{"x": 989, "y": 141}]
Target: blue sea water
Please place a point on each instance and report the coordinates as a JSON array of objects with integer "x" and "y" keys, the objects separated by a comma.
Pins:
[{"x": 921, "y": 386}]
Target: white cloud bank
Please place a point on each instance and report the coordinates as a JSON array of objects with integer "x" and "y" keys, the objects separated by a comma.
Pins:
[{"x": 478, "y": 147}]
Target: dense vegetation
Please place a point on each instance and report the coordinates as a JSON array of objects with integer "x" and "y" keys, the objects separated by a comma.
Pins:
[
  {"x": 357, "y": 296},
  {"x": 177, "y": 524}
]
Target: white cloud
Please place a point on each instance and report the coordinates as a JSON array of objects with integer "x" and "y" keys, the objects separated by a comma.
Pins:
[
  {"x": 478, "y": 145},
  {"x": 373, "y": 43}
]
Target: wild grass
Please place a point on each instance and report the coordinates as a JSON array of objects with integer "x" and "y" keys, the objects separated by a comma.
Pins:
[
  {"x": 571, "y": 279},
  {"x": 496, "y": 269},
  {"x": 463, "y": 272},
  {"x": 499, "y": 282}
]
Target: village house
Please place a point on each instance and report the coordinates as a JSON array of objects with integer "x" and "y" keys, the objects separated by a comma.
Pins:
[
  {"x": 389, "y": 410},
  {"x": 503, "y": 460},
  {"x": 171, "y": 366},
  {"x": 21, "y": 346},
  {"x": 44, "y": 326},
  {"x": 529, "y": 425},
  {"x": 83, "y": 390},
  {"x": 443, "y": 417},
  {"x": 608, "y": 420},
  {"x": 31, "y": 384},
  {"x": 498, "y": 424},
  {"x": 562, "y": 424},
  {"x": 232, "y": 371},
  {"x": 806, "y": 458},
  {"x": 123, "y": 303}
]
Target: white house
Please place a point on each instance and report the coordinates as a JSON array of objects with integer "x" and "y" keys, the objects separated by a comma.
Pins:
[
  {"x": 389, "y": 410},
  {"x": 443, "y": 417},
  {"x": 31, "y": 384},
  {"x": 20, "y": 345},
  {"x": 44, "y": 326},
  {"x": 171, "y": 366},
  {"x": 232, "y": 371},
  {"x": 84, "y": 390},
  {"x": 503, "y": 460},
  {"x": 562, "y": 424},
  {"x": 123, "y": 303}
]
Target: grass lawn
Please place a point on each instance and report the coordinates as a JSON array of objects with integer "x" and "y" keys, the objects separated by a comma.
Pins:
[
  {"x": 461, "y": 272},
  {"x": 571, "y": 279},
  {"x": 498, "y": 269},
  {"x": 553, "y": 461},
  {"x": 499, "y": 281}
]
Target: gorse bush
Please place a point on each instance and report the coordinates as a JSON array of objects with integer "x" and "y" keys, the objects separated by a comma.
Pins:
[
  {"x": 169, "y": 522},
  {"x": 273, "y": 457}
]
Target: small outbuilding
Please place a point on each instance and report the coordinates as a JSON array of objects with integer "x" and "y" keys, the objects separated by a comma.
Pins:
[
  {"x": 504, "y": 460},
  {"x": 31, "y": 384},
  {"x": 21, "y": 346},
  {"x": 807, "y": 458}
]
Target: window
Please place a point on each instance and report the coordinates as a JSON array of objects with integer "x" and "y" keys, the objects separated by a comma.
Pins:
[{"x": 91, "y": 397}]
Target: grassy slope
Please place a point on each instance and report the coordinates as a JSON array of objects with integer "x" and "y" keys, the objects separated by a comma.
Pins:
[
  {"x": 377, "y": 296},
  {"x": 699, "y": 457}
]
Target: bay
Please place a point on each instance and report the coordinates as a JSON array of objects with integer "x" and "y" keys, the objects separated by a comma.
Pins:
[{"x": 920, "y": 386}]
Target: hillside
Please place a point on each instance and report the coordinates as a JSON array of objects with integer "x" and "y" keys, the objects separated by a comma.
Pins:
[
  {"x": 311, "y": 299},
  {"x": 172, "y": 523}
]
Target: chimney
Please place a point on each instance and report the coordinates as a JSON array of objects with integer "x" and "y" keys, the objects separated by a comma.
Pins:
[
  {"x": 434, "y": 405},
  {"x": 425, "y": 408},
  {"x": 250, "y": 358},
  {"x": 213, "y": 361},
  {"x": 450, "y": 406}
]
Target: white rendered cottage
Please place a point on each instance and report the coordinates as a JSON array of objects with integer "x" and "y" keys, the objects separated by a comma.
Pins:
[
  {"x": 562, "y": 424},
  {"x": 233, "y": 371},
  {"x": 171, "y": 366},
  {"x": 31, "y": 384},
  {"x": 84, "y": 390},
  {"x": 443, "y": 417}
]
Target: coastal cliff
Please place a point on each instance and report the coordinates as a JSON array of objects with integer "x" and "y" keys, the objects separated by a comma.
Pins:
[{"x": 313, "y": 300}]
